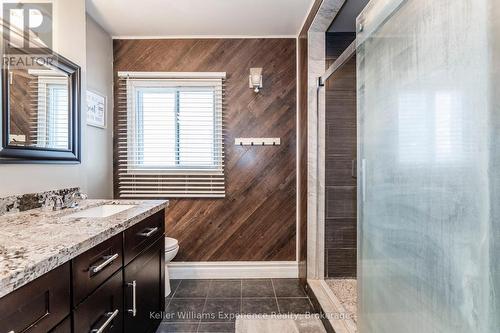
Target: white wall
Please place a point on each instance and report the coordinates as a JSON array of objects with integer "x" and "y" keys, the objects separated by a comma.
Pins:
[
  {"x": 69, "y": 41},
  {"x": 100, "y": 141}
]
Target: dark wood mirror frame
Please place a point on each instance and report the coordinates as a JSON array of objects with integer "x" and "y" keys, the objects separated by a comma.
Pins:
[{"x": 21, "y": 155}]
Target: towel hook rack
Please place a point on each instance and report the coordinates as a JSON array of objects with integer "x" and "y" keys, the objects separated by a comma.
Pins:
[{"x": 257, "y": 141}]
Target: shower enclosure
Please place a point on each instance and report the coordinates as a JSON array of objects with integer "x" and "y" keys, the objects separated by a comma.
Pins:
[
  {"x": 340, "y": 173},
  {"x": 429, "y": 166}
]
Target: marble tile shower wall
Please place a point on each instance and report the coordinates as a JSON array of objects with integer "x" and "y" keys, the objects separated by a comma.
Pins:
[{"x": 23, "y": 202}]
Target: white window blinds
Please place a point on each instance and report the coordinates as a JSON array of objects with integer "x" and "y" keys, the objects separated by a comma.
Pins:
[
  {"x": 170, "y": 135},
  {"x": 49, "y": 125}
]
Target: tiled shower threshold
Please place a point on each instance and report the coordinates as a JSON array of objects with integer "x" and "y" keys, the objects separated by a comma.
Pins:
[{"x": 339, "y": 318}]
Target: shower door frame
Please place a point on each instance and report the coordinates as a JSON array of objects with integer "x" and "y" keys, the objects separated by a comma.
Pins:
[
  {"x": 316, "y": 121},
  {"x": 316, "y": 67}
]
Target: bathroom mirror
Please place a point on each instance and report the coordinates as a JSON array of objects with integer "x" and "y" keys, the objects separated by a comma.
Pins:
[{"x": 41, "y": 113}]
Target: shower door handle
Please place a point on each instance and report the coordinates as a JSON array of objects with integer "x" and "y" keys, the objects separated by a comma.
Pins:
[{"x": 354, "y": 169}]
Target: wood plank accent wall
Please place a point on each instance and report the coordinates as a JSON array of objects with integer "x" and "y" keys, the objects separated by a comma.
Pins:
[
  {"x": 21, "y": 104},
  {"x": 340, "y": 185},
  {"x": 257, "y": 219}
]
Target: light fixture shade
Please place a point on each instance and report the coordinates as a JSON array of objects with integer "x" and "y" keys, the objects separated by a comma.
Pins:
[{"x": 255, "y": 79}]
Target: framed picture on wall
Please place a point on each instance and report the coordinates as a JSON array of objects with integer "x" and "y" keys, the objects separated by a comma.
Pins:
[{"x": 96, "y": 109}]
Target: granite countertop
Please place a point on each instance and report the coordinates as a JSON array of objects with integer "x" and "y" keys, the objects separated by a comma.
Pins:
[{"x": 36, "y": 241}]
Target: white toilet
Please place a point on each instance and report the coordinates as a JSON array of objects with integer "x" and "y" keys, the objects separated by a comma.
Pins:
[{"x": 171, "y": 249}]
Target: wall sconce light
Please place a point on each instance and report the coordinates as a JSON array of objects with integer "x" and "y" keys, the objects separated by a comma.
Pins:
[{"x": 255, "y": 79}]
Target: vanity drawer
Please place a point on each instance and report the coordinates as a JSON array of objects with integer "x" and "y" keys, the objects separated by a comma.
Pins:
[
  {"x": 38, "y": 306},
  {"x": 64, "y": 327},
  {"x": 92, "y": 268},
  {"x": 103, "y": 309},
  {"x": 142, "y": 235}
]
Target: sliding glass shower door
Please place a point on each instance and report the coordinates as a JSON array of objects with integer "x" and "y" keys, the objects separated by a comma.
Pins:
[{"x": 429, "y": 166}]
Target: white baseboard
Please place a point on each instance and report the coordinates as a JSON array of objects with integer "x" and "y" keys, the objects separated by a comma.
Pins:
[{"x": 233, "y": 269}]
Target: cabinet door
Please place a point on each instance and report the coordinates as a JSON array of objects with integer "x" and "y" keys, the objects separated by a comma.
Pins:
[
  {"x": 145, "y": 290},
  {"x": 38, "y": 306},
  {"x": 103, "y": 309}
]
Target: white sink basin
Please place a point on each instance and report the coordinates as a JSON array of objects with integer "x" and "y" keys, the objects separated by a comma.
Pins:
[{"x": 101, "y": 211}]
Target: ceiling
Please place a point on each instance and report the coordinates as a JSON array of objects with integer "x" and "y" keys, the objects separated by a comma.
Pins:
[{"x": 198, "y": 18}]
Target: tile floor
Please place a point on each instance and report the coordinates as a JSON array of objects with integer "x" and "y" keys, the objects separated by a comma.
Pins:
[{"x": 212, "y": 305}]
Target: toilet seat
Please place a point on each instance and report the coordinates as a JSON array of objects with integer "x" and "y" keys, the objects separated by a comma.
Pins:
[{"x": 171, "y": 244}]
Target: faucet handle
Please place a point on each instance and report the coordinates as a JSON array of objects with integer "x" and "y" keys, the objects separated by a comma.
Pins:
[
  {"x": 79, "y": 195},
  {"x": 58, "y": 202},
  {"x": 71, "y": 201},
  {"x": 82, "y": 196}
]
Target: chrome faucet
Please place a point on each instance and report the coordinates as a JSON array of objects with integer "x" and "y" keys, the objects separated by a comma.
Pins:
[
  {"x": 56, "y": 201},
  {"x": 71, "y": 200}
]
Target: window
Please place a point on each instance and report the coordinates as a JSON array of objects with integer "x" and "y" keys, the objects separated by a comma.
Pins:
[
  {"x": 430, "y": 128},
  {"x": 52, "y": 126},
  {"x": 176, "y": 127},
  {"x": 171, "y": 142}
]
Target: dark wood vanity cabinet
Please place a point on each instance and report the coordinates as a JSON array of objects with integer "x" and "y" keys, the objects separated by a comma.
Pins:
[
  {"x": 39, "y": 306},
  {"x": 92, "y": 268},
  {"x": 116, "y": 286},
  {"x": 145, "y": 289},
  {"x": 63, "y": 327},
  {"x": 139, "y": 237}
]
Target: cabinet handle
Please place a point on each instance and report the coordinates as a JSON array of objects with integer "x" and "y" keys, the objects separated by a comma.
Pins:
[
  {"x": 133, "y": 311},
  {"x": 111, "y": 316},
  {"x": 149, "y": 233},
  {"x": 107, "y": 260}
]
